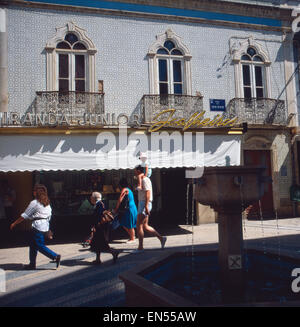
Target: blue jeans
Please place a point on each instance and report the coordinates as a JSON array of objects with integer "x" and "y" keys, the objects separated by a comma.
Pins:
[{"x": 37, "y": 243}]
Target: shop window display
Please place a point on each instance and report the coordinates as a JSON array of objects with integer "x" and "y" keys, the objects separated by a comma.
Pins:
[{"x": 70, "y": 191}]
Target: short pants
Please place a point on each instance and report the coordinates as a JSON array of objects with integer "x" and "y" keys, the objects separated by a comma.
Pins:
[{"x": 141, "y": 207}]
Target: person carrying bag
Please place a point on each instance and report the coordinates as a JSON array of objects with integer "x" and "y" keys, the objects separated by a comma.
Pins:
[
  {"x": 39, "y": 212},
  {"x": 100, "y": 239}
]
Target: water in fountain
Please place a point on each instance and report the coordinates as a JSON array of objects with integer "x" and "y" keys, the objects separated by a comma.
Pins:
[
  {"x": 262, "y": 227},
  {"x": 282, "y": 299},
  {"x": 188, "y": 270},
  {"x": 244, "y": 228}
]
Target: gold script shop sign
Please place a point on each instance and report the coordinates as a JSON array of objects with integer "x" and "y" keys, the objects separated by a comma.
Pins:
[{"x": 197, "y": 119}]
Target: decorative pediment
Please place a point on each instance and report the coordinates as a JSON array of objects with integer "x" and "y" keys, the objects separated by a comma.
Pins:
[
  {"x": 169, "y": 34},
  {"x": 258, "y": 142},
  {"x": 70, "y": 27},
  {"x": 238, "y": 52}
]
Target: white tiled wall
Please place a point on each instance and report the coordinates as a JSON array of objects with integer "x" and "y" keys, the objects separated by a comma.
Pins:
[{"x": 121, "y": 61}]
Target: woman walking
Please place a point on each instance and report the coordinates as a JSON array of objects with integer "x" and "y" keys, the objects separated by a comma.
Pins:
[
  {"x": 100, "y": 231},
  {"x": 128, "y": 215},
  {"x": 39, "y": 212}
]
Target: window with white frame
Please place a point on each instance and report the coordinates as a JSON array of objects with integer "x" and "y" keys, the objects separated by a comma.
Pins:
[
  {"x": 251, "y": 70},
  {"x": 70, "y": 60},
  {"x": 254, "y": 76},
  {"x": 71, "y": 68},
  {"x": 169, "y": 65}
]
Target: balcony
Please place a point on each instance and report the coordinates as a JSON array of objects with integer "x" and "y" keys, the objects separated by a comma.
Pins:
[
  {"x": 73, "y": 104},
  {"x": 258, "y": 111},
  {"x": 185, "y": 105}
]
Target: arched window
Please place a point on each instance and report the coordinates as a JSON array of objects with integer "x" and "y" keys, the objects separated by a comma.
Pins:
[
  {"x": 252, "y": 71},
  {"x": 169, "y": 65},
  {"x": 170, "y": 69},
  {"x": 70, "y": 61},
  {"x": 253, "y": 74}
]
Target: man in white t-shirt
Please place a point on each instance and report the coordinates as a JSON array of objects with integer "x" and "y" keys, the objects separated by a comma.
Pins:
[{"x": 145, "y": 198}]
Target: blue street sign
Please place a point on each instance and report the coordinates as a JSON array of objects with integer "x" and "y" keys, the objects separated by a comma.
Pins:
[{"x": 217, "y": 105}]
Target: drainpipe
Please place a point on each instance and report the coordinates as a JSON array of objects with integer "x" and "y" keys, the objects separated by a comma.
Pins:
[{"x": 3, "y": 67}]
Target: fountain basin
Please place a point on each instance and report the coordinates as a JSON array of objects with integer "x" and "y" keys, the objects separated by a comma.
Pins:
[{"x": 179, "y": 279}]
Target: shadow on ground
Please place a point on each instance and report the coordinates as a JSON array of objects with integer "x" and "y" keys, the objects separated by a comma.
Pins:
[
  {"x": 12, "y": 239},
  {"x": 99, "y": 286}
]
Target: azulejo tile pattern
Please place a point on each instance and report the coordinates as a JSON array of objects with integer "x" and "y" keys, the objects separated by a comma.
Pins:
[{"x": 122, "y": 44}]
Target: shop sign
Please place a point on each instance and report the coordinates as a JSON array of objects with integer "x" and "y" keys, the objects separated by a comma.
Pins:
[
  {"x": 196, "y": 120},
  {"x": 66, "y": 119},
  {"x": 165, "y": 118}
]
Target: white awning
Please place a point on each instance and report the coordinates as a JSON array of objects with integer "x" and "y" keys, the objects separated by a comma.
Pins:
[{"x": 91, "y": 152}]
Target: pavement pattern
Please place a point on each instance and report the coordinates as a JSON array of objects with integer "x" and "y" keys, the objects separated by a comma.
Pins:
[{"x": 78, "y": 283}]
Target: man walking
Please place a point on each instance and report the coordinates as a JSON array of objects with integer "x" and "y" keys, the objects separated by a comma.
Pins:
[{"x": 145, "y": 197}]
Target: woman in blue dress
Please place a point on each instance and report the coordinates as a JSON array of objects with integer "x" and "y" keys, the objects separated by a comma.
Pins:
[{"x": 127, "y": 210}]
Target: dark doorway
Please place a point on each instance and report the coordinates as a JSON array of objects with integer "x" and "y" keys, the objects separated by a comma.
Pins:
[
  {"x": 173, "y": 188},
  {"x": 261, "y": 158}
]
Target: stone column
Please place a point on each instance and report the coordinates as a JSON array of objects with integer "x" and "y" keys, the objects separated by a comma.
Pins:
[
  {"x": 230, "y": 254},
  {"x": 3, "y": 64}
]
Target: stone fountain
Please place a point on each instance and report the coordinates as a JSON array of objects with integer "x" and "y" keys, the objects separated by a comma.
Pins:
[
  {"x": 161, "y": 282},
  {"x": 230, "y": 190}
]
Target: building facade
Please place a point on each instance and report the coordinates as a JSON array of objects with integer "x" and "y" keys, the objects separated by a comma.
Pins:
[{"x": 81, "y": 68}]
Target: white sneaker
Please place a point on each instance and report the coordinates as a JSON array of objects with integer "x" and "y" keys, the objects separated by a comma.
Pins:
[
  {"x": 163, "y": 242},
  {"x": 131, "y": 241}
]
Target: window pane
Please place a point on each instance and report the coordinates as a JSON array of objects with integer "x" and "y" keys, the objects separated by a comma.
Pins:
[
  {"x": 259, "y": 92},
  {"x": 176, "y": 52},
  {"x": 80, "y": 86},
  {"x": 162, "y": 51},
  {"x": 169, "y": 45},
  {"x": 258, "y": 58},
  {"x": 246, "y": 57},
  {"x": 247, "y": 92},
  {"x": 163, "y": 74},
  {"x": 246, "y": 75},
  {"x": 163, "y": 88},
  {"x": 63, "y": 66},
  {"x": 79, "y": 66},
  {"x": 251, "y": 52},
  {"x": 79, "y": 46},
  {"x": 63, "y": 85},
  {"x": 71, "y": 38},
  {"x": 258, "y": 76},
  {"x": 177, "y": 71},
  {"x": 177, "y": 88},
  {"x": 63, "y": 45}
]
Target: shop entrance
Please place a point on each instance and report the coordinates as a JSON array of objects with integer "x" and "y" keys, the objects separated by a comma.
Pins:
[
  {"x": 261, "y": 158},
  {"x": 173, "y": 190}
]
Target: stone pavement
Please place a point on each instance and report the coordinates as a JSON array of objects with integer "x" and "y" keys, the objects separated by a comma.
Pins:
[{"x": 78, "y": 283}]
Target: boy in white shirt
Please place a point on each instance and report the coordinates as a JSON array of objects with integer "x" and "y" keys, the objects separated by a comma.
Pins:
[{"x": 147, "y": 169}]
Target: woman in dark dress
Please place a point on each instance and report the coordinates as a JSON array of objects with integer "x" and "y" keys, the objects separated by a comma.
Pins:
[{"x": 100, "y": 239}]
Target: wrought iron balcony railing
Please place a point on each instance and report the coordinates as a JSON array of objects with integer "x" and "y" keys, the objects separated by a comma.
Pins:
[
  {"x": 258, "y": 111},
  {"x": 185, "y": 105},
  {"x": 74, "y": 104}
]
